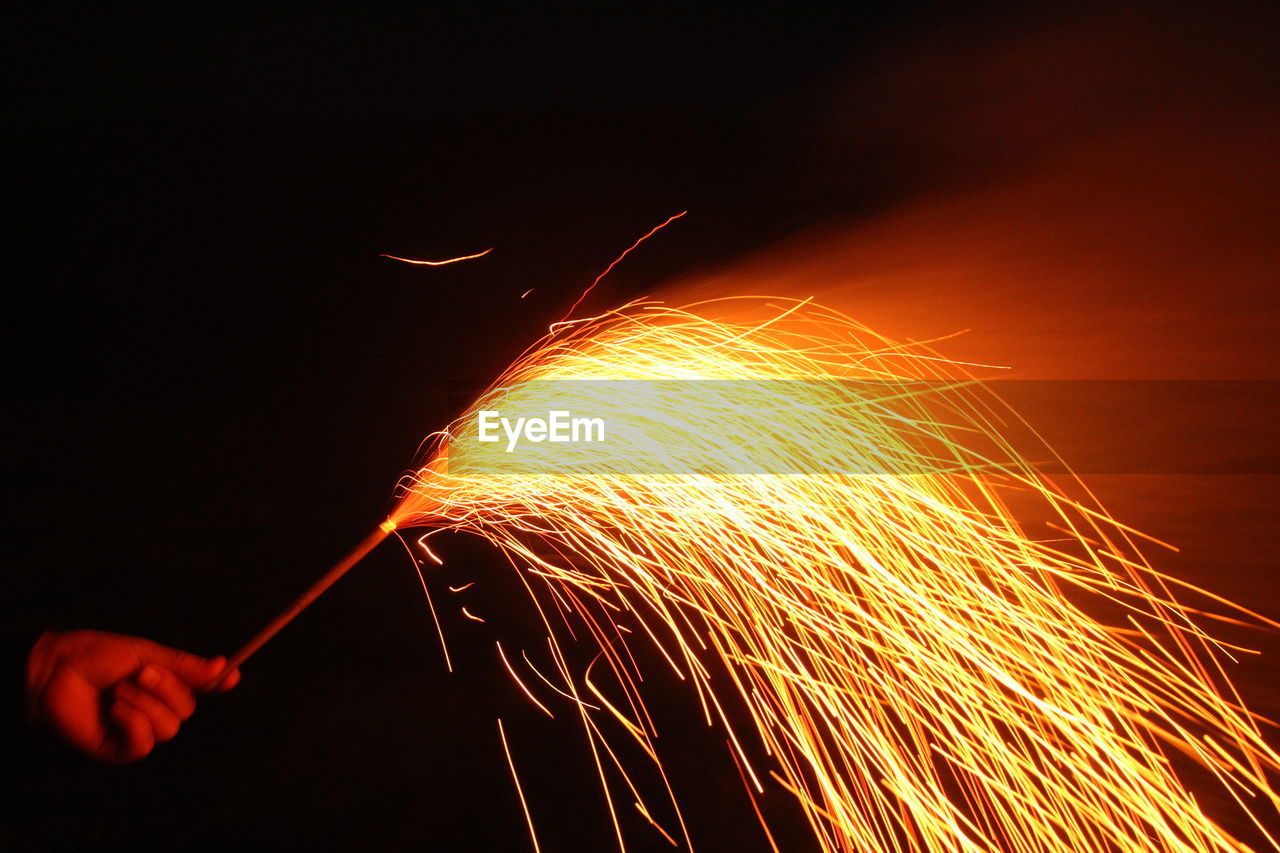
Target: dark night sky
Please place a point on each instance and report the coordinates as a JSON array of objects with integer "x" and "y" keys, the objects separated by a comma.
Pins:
[{"x": 214, "y": 379}]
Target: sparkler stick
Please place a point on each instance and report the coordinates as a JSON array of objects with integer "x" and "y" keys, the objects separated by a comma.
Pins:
[{"x": 340, "y": 568}]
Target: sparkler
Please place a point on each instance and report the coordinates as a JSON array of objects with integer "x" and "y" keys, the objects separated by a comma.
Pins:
[{"x": 915, "y": 665}]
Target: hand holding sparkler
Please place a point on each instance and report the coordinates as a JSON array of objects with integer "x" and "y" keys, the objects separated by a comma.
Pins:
[{"x": 115, "y": 697}]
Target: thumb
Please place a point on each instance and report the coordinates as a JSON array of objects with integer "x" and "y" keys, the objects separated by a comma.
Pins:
[
  {"x": 223, "y": 680},
  {"x": 192, "y": 669}
]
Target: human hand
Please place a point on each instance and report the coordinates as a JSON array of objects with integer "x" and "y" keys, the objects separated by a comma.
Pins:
[{"x": 114, "y": 697}]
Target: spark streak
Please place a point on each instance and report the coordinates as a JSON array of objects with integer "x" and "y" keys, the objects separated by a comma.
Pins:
[
  {"x": 654, "y": 230},
  {"x": 438, "y": 263},
  {"x": 916, "y": 668},
  {"x": 516, "y": 778}
]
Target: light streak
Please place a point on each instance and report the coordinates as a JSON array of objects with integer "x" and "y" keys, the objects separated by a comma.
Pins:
[
  {"x": 654, "y": 230},
  {"x": 438, "y": 263},
  {"x": 919, "y": 670},
  {"x": 426, "y": 592},
  {"x": 645, "y": 814},
  {"x": 516, "y": 778},
  {"x": 519, "y": 683}
]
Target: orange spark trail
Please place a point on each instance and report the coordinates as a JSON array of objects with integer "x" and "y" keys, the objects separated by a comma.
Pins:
[
  {"x": 438, "y": 263},
  {"x": 516, "y": 778},
  {"x": 617, "y": 260}
]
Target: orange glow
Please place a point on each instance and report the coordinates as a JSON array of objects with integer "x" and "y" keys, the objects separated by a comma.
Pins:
[{"x": 910, "y": 652}]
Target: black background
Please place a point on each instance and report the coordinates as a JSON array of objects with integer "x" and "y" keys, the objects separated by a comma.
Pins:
[{"x": 214, "y": 379}]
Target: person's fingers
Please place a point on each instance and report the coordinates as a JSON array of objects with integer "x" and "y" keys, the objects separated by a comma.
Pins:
[
  {"x": 222, "y": 685},
  {"x": 164, "y": 722},
  {"x": 196, "y": 671},
  {"x": 69, "y": 705},
  {"x": 134, "y": 735},
  {"x": 168, "y": 688}
]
